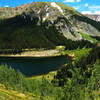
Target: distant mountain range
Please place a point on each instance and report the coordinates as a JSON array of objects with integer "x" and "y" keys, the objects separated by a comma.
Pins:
[{"x": 95, "y": 17}]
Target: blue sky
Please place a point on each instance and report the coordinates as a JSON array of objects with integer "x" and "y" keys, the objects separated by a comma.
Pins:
[{"x": 83, "y": 6}]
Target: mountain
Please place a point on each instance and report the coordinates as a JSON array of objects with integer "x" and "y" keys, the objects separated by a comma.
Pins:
[
  {"x": 95, "y": 17},
  {"x": 43, "y": 25}
]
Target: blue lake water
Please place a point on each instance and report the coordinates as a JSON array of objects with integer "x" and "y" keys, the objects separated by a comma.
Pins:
[{"x": 34, "y": 66}]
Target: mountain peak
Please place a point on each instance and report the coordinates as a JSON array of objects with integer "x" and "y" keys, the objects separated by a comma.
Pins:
[{"x": 57, "y": 6}]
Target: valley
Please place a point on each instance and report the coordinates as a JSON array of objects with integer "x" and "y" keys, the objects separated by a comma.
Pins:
[{"x": 48, "y": 51}]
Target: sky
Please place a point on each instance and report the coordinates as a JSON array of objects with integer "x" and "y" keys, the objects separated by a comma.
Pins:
[{"x": 83, "y": 6}]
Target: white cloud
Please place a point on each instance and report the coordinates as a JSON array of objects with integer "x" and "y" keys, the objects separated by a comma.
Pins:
[
  {"x": 97, "y": 12},
  {"x": 94, "y": 7},
  {"x": 86, "y": 5},
  {"x": 72, "y": 1},
  {"x": 86, "y": 12},
  {"x": 89, "y": 12},
  {"x": 69, "y": 1},
  {"x": 6, "y": 6},
  {"x": 78, "y": 0}
]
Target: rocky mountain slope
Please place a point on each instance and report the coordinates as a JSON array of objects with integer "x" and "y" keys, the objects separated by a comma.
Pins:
[{"x": 43, "y": 24}]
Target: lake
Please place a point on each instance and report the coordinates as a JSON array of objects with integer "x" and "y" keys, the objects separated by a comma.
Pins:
[{"x": 30, "y": 66}]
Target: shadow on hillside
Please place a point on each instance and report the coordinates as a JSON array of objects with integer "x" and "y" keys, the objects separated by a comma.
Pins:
[
  {"x": 96, "y": 37},
  {"x": 88, "y": 21},
  {"x": 20, "y": 33}
]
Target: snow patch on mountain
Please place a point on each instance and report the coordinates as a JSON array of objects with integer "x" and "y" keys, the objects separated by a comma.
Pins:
[
  {"x": 58, "y": 7},
  {"x": 47, "y": 15}
]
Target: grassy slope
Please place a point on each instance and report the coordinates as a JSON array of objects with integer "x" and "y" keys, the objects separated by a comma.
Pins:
[
  {"x": 48, "y": 76},
  {"x": 87, "y": 37},
  {"x": 9, "y": 94},
  {"x": 67, "y": 9},
  {"x": 78, "y": 52},
  {"x": 12, "y": 95}
]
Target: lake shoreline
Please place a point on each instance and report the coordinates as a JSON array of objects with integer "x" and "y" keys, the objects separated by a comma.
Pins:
[{"x": 34, "y": 53}]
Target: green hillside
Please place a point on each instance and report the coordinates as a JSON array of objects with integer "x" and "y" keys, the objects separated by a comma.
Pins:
[
  {"x": 79, "y": 77},
  {"x": 42, "y": 26},
  {"x": 24, "y": 27}
]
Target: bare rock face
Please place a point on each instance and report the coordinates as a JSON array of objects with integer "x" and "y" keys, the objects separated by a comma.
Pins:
[{"x": 64, "y": 20}]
